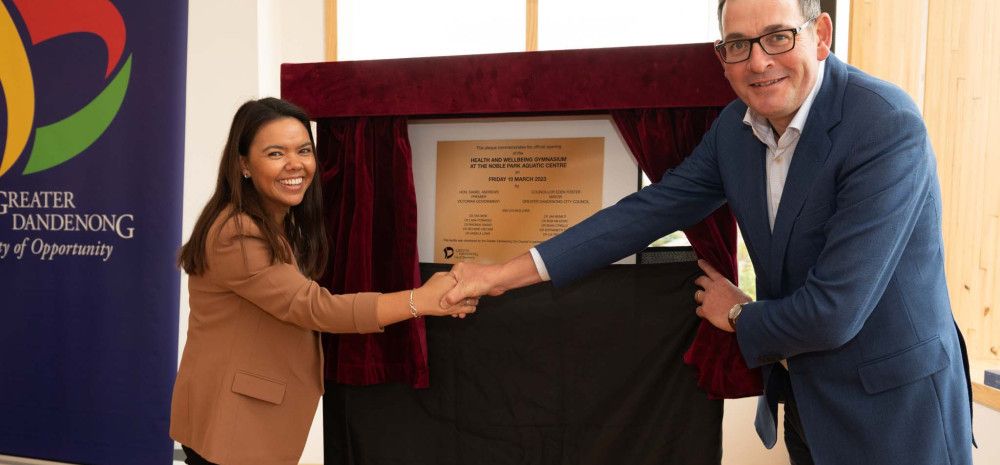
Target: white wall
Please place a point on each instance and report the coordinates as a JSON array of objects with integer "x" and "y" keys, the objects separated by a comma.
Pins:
[
  {"x": 843, "y": 29},
  {"x": 985, "y": 426},
  {"x": 740, "y": 444},
  {"x": 235, "y": 48}
]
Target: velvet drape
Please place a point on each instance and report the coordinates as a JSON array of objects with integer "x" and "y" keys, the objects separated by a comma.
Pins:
[
  {"x": 366, "y": 173},
  {"x": 367, "y": 180},
  {"x": 660, "y": 139}
]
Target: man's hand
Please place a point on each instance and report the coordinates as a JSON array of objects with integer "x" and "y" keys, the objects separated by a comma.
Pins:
[
  {"x": 473, "y": 280},
  {"x": 716, "y": 296},
  {"x": 428, "y": 297}
]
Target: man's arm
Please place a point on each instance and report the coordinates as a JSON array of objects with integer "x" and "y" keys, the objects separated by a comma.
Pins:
[{"x": 684, "y": 196}]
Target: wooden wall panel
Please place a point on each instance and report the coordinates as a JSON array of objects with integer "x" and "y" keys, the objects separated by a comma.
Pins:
[
  {"x": 531, "y": 26},
  {"x": 945, "y": 54},
  {"x": 330, "y": 29},
  {"x": 888, "y": 40},
  {"x": 962, "y": 111}
]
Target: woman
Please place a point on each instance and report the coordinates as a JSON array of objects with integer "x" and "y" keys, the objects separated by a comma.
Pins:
[{"x": 250, "y": 376}]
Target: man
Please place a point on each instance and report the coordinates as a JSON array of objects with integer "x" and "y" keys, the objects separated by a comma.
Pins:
[{"x": 832, "y": 179}]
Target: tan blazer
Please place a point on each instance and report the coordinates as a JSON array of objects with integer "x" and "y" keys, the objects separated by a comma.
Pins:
[{"x": 250, "y": 376}]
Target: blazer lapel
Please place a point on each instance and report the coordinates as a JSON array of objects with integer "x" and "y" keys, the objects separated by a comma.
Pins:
[
  {"x": 755, "y": 228},
  {"x": 810, "y": 154}
]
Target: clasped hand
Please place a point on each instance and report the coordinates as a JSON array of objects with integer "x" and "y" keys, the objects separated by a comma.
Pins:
[
  {"x": 430, "y": 298},
  {"x": 471, "y": 281},
  {"x": 456, "y": 293}
]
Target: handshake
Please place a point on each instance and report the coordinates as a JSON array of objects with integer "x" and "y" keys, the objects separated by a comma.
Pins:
[{"x": 456, "y": 293}]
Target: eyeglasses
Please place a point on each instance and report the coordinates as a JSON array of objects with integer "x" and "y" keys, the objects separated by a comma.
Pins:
[{"x": 772, "y": 43}]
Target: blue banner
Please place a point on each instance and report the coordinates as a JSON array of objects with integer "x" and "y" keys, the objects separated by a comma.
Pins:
[{"x": 92, "y": 143}]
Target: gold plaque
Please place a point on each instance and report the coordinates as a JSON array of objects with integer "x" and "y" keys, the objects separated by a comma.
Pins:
[{"x": 498, "y": 198}]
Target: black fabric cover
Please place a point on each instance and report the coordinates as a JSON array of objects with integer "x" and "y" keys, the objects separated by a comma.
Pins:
[{"x": 587, "y": 374}]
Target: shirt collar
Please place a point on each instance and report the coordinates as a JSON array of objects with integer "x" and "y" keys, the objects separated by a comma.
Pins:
[{"x": 762, "y": 128}]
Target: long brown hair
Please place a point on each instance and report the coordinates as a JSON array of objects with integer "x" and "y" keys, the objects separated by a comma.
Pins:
[{"x": 303, "y": 227}]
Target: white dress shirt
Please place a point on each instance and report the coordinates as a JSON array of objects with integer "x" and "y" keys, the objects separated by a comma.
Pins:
[{"x": 779, "y": 153}]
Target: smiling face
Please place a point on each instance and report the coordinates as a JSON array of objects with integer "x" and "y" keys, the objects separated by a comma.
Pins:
[
  {"x": 775, "y": 86},
  {"x": 281, "y": 164}
]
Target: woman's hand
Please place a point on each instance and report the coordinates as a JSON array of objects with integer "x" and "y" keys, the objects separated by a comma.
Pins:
[{"x": 429, "y": 298}]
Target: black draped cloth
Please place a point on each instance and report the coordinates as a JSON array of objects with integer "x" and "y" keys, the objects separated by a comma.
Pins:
[{"x": 587, "y": 374}]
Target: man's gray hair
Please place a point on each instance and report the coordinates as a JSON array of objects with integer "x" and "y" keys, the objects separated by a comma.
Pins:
[{"x": 809, "y": 9}]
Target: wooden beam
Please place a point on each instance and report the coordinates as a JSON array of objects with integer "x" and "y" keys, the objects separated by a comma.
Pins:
[
  {"x": 531, "y": 26},
  {"x": 986, "y": 395},
  {"x": 330, "y": 29}
]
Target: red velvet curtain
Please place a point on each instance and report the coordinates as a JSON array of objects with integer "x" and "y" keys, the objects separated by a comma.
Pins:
[
  {"x": 366, "y": 166},
  {"x": 659, "y": 140},
  {"x": 367, "y": 176}
]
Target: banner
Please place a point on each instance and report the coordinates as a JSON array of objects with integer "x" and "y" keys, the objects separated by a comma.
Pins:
[{"x": 92, "y": 140}]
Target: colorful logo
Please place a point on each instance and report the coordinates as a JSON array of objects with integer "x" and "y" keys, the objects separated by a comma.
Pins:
[{"x": 62, "y": 140}]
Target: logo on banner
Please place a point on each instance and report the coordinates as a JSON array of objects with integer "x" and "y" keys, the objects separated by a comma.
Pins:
[
  {"x": 52, "y": 209},
  {"x": 62, "y": 140}
]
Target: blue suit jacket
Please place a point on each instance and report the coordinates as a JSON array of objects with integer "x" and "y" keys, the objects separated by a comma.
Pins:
[{"x": 850, "y": 283}]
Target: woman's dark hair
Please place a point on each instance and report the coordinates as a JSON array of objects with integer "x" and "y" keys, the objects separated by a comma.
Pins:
[{"x": 303, "y": 228}]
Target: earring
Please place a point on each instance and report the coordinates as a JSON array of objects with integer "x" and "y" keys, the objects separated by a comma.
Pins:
[{"x": 246, "y": 175}]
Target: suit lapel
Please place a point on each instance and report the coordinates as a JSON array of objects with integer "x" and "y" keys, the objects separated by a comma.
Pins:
[
  {"x": 810, "y": 154},
  {"x": 747, "y": 190},
  {"x": 755, "y": 228}
]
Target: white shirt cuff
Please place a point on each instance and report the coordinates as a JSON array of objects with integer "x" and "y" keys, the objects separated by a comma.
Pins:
[{"x": 540, "y": 265}]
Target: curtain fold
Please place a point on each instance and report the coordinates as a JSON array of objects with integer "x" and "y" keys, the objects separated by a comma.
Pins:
[
  {"x": 660, "y": 139},
  {"x": 367, "y": 179}
]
